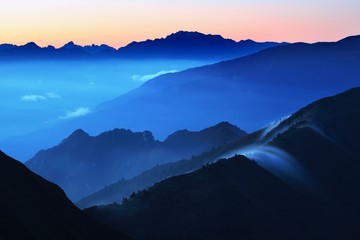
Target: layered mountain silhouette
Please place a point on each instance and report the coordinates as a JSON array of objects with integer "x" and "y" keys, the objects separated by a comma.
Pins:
[
  {"x": 69, "y": 51},
  {"x": 82, "y": 164},
  {"x": 231, "y": 199},
  {"x": 301, "y": 183},
  {"x": 116, "y": 192},
  {"x": 33, "y": 208},
  {"x": 180, "y": 45},
  {"x": 250, "y": 92},
  {"x": 274, "y": 155}
]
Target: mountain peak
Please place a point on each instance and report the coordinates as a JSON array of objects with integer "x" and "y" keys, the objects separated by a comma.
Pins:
[
  {"x": 181, "y": 35},
  {"x": 224, "y": 124},
  {"x": 77, "y": 135},
  {"x": 70, "y": 44},
  {"x": 31, "y": 45},
  {"x": 186, "y": 34},
  {"x": 222, "y": 130}
]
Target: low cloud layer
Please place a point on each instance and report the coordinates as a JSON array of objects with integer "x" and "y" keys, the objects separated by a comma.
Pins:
[
  {"x": 33, "y": 98},
  {"x": 37, "y": 97},
  {"x": 79, "y": 112},
  {"x": 145, "y": 78}
]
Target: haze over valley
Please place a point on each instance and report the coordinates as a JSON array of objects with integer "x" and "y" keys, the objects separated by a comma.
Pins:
[{"x": 193, "y": 120}]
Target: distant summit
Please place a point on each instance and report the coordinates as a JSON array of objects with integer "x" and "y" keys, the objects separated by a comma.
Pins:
[
  {"x": 193, "y": 45},
  {"x": 31, "y": 45},
  {"x": 179, "y": 45}
]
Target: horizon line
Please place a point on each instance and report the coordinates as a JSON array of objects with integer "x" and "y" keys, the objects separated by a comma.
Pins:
[{"x": 163, "y": 37}]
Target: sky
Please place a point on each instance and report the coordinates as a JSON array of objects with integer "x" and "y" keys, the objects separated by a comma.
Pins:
[{"x": 119, "y": 22}]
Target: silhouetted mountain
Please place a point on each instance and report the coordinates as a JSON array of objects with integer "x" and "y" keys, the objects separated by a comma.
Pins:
[
  {"x": 6, "y": 46},
  {"x": 302, "y": 183},
  {"x": 31, "y": 51},
  {"x": 98, "y": 50},
  {"x": 180, "y": 45},
  {"x": 210, "y": 139},
  {"x": 326, "y": 130},
  {"x": 93, "y": 162},
  {"x": 193, "y": 45},
  {"x": 316, "y": 149},
  {"x": 324, "y": 138},
  {"x": 230, "y": 199},
  {"x": 33, "y": 208},
  {"x": 250, "y": 91}
]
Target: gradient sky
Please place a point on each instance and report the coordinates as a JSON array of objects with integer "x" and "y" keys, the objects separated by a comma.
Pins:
[{"x": 118, "y": 22}]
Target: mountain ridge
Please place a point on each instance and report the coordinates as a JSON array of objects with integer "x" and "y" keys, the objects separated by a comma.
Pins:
[
  {"x": 314, "y": 156},
  {"x": 33, "y": 208},
  {"x": 95, "y": 161},
  {"x": 256, "y": 85},
  {"x": 186, "y": 46}
]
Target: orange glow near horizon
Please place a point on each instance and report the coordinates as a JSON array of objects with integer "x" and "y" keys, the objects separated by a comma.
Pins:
[{"x": 117, "y": 23}]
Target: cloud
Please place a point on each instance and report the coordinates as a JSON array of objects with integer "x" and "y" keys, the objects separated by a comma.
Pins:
[
  {"x": 33, "y": 98},
  {"x": 52, "y": 95},
  {"x": 79, "y": 112},
  {"x": 145, "y": 78},
  {"x": 37, "y": 97}
]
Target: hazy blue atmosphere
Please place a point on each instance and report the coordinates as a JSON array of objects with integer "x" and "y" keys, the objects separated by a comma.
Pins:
[
  {"x": 38, "y": 94},
  {"x": 180, "y": 120}
]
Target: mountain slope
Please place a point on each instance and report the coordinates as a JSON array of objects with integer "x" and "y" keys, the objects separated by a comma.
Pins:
[
  {"x": 330, "y": 123},
  {"x": 316, "y": 149},
  {"x": 33, "y": 208},
  {"x": 82, "y": 164},
  {"x": 324, "y": 138},
  {"x": 231, "y": 199},
  {"x": 313, "y": 156},
  {"x": 250, "y": 91},
  {"x": 114, "y": 193}
]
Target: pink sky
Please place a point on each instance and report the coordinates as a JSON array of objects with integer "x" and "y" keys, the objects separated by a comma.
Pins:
[{"x": 117, "y": 22}]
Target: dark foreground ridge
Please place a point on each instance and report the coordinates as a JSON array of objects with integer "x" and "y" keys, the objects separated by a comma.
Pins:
[
  {"x": 231, "y": 199},
  {"x": 314, "y": 195},
  {"x": 33, "y": 208}
]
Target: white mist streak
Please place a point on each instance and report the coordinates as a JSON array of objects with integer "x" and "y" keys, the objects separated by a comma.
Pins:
[{"x": 276, "y": 161}]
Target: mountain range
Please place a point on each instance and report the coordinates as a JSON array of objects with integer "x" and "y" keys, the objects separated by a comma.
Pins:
[
  {"x": 82, "y": 164},
  {"x": 319, "y": 116},
  {"x": 193, "y": 45},
  {"x": 298, "y": 179},
  {"x": 238, "y": 91},
  {"x": 33, "y": 208},
  {"x": 31, "y": 51},
  {"x": 250, "y": 92},
  {"x": 180, "y": 45}
]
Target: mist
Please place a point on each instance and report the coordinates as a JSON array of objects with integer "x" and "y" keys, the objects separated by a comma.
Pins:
[
  {"x": 278, "y": 162},
  {"x": 38, "y": 94}
]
